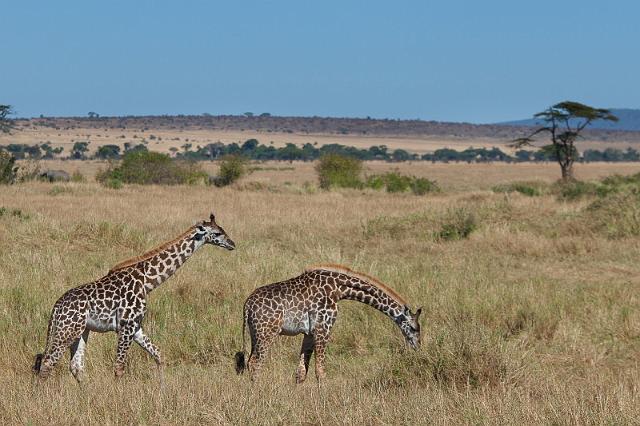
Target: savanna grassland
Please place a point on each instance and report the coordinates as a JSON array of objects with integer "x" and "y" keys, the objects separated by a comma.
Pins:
[{"x": 533, "y": 317}]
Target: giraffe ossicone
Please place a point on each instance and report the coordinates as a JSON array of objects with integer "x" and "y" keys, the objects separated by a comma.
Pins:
[
  {"x": 308, "y": 304},
  {"x": 117, "y": 302}
]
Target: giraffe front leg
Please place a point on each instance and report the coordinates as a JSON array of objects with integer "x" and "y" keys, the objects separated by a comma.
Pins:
[
  {"x": 305, "y": 357},
  {"x": 146, "y": 344},
  {"x": 125, "y": 339},
  {"x": 77, "y": 356}
]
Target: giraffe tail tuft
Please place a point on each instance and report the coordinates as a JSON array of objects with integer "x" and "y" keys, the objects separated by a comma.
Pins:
[
  {"x": 37, "y": 364},
  {"x": 240, "y": 362}
]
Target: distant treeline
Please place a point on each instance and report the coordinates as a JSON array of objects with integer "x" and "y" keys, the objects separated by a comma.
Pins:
[{"x": 253, "y": 150}]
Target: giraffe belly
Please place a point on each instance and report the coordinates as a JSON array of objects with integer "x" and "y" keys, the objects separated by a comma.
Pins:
[
  {"x": 101, "y": 324},
  {"x": 293, "y": 326}
]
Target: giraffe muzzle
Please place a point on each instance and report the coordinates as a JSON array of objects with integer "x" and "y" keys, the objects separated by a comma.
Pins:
[{"x": 229, "y": 244}]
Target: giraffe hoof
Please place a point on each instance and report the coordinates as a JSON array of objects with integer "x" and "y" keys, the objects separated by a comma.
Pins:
[{"x": 300, "y": 377}]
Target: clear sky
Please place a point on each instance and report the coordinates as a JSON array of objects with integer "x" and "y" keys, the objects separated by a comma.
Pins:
[{"x": 476, "y": 61}]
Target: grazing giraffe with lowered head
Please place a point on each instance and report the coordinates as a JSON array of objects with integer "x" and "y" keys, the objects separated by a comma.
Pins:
[
  {"x": 308, "y": 304},
  {"x": 117, "y": 302}
]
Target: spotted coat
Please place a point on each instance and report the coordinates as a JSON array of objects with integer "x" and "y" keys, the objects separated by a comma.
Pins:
[
  {"x": 308, "y": 304},
  {"x": 118, "y": 301}
]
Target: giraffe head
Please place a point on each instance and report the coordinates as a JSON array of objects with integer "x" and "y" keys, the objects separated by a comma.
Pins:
[
  {"x": 410, "y": 325},
  {"x": 209, "y": 232}
]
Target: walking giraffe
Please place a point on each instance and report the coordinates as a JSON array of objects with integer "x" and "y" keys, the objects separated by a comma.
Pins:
[
  {"x": 308, "y": 304},
  {"x": 117, "y": 302}
]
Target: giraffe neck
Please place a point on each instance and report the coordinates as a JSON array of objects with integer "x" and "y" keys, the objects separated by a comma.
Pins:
[
  {"x": 163, "y": 265},
  {"x": 353, "y": 288}
]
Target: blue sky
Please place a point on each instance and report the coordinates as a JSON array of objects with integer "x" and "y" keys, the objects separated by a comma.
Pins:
[{"x": 476, "y": 61}]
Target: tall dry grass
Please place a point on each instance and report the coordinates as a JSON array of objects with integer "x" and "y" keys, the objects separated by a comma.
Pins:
[{"x": 534, "y": 317}]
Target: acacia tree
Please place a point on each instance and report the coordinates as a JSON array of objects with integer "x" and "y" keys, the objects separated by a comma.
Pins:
[
  {"x": 564, "y": 122},
  {"x": 5, "y": 123}
]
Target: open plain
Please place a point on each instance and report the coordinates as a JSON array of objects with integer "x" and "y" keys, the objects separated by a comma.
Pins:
[{"x": 534, "y": 318}]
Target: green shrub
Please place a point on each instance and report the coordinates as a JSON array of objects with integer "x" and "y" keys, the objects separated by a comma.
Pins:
[
  {"x": 8, "y": 169},
  {"x": 616, "y": 215},
  {"x": 338, "y": 171},
  {"x": 576, "y": 189},
  {"x": 147, "y": 167},
  {"x": 113, "y": 183},
  {"x": 376, "y": 182},
  {"x": 396, "y": 182},
  {"x": 422, "y": 186},
  {"x": 530, "y": 189},
  {"x": 78, "y": 177},
  {"x": 459, "y": 224},
  {"x": 232, "y": 168},
  {"x": 14, "y": 213}
]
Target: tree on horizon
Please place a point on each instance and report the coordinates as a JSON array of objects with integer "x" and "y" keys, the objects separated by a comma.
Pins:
[{"x": 564, "y": 122}]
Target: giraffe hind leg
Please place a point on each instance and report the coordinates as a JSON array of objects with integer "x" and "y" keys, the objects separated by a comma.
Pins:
[
  {"x": 77, "y": 356},
  {"x": 261, "y": 341},
  {"x": 63, "y": 338}
]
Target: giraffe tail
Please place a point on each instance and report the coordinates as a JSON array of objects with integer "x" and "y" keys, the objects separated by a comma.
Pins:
[
  {"x": 37, "y": 365},
  {"x": 241, "y": 364}
]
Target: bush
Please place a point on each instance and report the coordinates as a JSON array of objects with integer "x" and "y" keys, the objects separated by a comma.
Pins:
[
  {"x": 459, "y": 225},
  {"x": 530, "y": 189},
  {"x": 14, "y": 213},
  {"x": 396, "y": 182},
  {"x": 8, "y": 169},
  {"x": 78, "y": 177},
  {"x": 146, "y": 168},
  {"x": 376, "y": 182},
  {"x": 422, "y": 186},
  {"x": 29, "y": 170},
  {"x": 113, "y": 183},
  {"x": 232, "y": 168},
  {"x": 576, "y": 189},
  {"x": 617, "y": 215},
  {"x": 338, "y": 171}
]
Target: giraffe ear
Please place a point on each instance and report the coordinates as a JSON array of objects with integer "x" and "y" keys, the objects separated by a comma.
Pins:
[
  {"x": 418, "y": 312},
  {"x": 407, "y": 311},
  {"x": 212, "y": 217}
]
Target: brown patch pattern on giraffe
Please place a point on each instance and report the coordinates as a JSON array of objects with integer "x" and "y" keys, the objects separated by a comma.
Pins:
[
  {"x": 117, "y": 302},
  {"x": 308, "y": 304}
]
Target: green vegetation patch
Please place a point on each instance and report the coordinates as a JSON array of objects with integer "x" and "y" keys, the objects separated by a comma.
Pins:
[
  {"x": 337, "y": 171},
  {"x": 147, "y": 168},
  {"x": 232, "y": 168},
  {"x": 528, "y": 188},
  {"x": 396, "y": 182}
]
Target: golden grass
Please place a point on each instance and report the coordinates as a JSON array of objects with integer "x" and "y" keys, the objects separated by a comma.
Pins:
[{"x": 533, "y": 319}]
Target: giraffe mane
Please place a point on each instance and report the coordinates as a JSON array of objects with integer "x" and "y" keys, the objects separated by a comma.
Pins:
[
  {"x": 341, "y": 269},
  {"x": 149, "y": 254}
]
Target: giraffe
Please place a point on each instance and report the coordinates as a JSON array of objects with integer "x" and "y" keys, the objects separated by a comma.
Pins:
[
  {"x": 308, "y": 304},
  {"x": 117, "y": 302}
]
